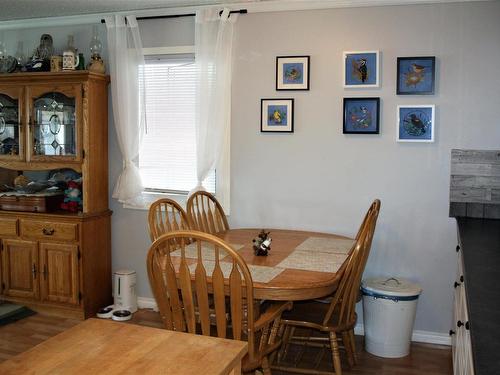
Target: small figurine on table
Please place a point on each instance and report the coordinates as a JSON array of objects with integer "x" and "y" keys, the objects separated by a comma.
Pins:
[{"x": 262, "y": 244}]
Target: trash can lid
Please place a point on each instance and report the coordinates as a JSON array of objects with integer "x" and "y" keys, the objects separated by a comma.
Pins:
[
  {"x": 391, "y": 286},
  {"x": 124, "y": 272}
]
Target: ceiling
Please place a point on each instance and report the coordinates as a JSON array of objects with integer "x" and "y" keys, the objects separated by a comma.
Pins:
[
  {"x": 24, "y": 9},
  {"x": 11, "y": 10}
]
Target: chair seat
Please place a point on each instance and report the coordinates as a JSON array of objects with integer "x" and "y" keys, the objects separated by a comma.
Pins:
[{"x": 311, "y": 313}]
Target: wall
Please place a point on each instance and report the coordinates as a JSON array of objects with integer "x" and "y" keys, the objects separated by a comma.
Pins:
[{"x": 320, "y": 179}]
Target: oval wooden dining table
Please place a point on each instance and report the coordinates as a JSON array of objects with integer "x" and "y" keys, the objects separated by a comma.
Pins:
[{"x": 291, "y": 284}]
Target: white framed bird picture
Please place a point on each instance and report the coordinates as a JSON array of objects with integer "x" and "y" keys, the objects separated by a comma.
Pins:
[
  {"x": 416, "y": 123},
  {"x": 292, "y": 73},
  {"x": 416, "y": 75},
  {"x": 361, "y": 69},
  {"x": 276, "y": 115}
]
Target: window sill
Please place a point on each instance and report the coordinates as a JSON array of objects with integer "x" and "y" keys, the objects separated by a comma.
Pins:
[{"x": 149, "y": 198}]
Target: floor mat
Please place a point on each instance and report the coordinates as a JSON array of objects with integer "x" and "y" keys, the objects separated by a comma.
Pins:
[{"x": 10, "y": 312}]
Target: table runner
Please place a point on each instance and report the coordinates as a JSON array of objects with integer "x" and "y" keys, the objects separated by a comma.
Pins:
[
  {"x": 330, "y": 245},
  {"x": 207, "y": 251},
  {"x": 260, "y": 274}
]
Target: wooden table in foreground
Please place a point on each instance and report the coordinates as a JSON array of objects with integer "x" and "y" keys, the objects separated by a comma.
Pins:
[
  {"x": 291, "y": 284},
  {"x": 106, "y": 347}
]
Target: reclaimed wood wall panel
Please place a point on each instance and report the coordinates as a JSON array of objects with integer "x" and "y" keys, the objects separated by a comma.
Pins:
[{"x": 475, "y": 183}]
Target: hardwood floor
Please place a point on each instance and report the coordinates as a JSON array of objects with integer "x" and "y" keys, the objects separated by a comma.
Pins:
[{"x": 425, "y": 359}]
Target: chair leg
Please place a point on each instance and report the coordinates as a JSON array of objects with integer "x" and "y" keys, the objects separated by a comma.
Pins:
[
  {"x": 335, "y": 353},
  {"x": 348, "y": 348},
  {"x": 289, "y": 330},
  {"x": 353, "y": 346},
  {"x": 265, "y": 366}
]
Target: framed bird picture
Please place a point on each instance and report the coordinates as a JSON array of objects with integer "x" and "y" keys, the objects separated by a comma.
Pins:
[
  {"x": 361, "y": 69},
  {"x": 416, "y": 75},
  {"x": 361, "y": 116},
  {"x": 416, "y": 123},
  {"x": 276, "y": 115},
  {"x": 292, "y": 72}
]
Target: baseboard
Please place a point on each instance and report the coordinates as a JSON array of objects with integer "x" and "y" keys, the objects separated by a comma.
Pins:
[
  {"x": 147, "y": 303},
  {"x": 417, "y": 336},
  {"x": 427, "y": 337}
]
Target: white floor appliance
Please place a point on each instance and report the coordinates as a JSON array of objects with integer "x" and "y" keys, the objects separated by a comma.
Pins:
[{"x": 125, "y": 297}]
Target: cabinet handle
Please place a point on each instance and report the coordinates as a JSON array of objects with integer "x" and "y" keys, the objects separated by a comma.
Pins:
[
  {"x": 452, "y": 332},
  {"x": 462, "y": 278},
  {"x": 467, "y": 325},
  {"x": 33, "y": 270},
  {"x": 45, "y": 272},
  {"x": 456, "y": 284},
  {"x": 457, "y": 248},
  {"x": 459, "y": 323},
  {"x": 48, "y": 231}
]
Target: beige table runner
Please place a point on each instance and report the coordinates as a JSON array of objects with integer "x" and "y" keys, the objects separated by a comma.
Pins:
[
  {"x": 327, "y": 245},
  {"x": 319, "y": 254},
  {"x": 260, "y": 274},
  {"x": 207, "y": 251}
]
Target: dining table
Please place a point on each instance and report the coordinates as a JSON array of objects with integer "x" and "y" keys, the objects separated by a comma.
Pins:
[
  {"x": 300, "y": 265},
  {"x": 98, "y": 346}
]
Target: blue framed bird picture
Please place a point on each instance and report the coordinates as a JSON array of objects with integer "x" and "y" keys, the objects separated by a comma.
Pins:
[
  {"x": 276, "y": 115},
  {"x": 361, "y": 69},
  {"x": 416, "y": 75},
  {"x": 292, "y": 73},
  {"x": 361, "y": 116},
  {"x": 416, "y": 123}
]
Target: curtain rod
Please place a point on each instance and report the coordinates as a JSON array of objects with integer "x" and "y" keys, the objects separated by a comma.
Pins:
[{"x": 241, "y": 11}]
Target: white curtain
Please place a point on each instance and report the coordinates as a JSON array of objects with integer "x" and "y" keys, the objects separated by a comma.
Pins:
[
  {"x": 213, "y": 54},
  {"x": 125, "y": 59}
]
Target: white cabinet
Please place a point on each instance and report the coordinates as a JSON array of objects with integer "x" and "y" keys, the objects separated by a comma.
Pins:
[{"x": 460, "y": 332}]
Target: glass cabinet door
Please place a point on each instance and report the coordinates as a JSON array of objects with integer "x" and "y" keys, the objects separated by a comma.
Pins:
[
  {"x": 11, "y": 129},
  {"x": 55, "y": 123}
]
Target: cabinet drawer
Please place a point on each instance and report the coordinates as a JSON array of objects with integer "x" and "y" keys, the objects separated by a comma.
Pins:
[
  {"x": 8, "y": 227},
  {"x": 47, "y": 230}
]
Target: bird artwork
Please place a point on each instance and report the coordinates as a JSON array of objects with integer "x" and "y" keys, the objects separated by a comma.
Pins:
[
  {"x": 360, "y": 69},
  {"x": 360, "y": 117},
  {"x": 415, "y": 75},
  {"x": 415, "y": 124},
  {"x": 292, "y": 74}
]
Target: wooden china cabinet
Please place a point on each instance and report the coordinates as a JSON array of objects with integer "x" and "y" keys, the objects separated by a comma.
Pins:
[{"x": 57, "y": 262}]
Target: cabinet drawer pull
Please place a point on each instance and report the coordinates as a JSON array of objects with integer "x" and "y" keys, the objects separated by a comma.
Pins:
[
  {"x": 467, "y": 326},
  {"x": 462, "y": 278},
  {"x": 456, "y": 284},
  {"x": 457, "y": 248},
  {"x": 459, "y": 323},
  {"x": 452, "y": 332},
  {"x": 48, "y": 231},
  {"x": 33, "y": 270}
]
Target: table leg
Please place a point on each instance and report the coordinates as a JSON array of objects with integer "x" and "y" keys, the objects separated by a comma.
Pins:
[{"x": 236, "y": 370}]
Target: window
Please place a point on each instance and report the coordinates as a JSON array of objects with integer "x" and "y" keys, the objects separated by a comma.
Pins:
[{"x": 167, "y": 160}]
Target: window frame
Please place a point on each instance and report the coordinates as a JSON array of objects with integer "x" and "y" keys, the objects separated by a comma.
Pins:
[{"x": 150, "y": 195}]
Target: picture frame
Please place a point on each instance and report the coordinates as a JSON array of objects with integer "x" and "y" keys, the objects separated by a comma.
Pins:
[
  {"x": 416, "y": 123},
  {"x": 276, "y": 115},
  {"x": 292, "y": 73},
  {"x": 361, "y": 69},
  {"x": 416, "y": 75},
  {"x": 361, "y": 115}
]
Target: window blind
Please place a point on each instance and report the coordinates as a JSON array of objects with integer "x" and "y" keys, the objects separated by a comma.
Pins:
[{"x": 167, "y": 160}]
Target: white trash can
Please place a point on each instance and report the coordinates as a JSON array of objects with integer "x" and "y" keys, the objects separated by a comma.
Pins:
[{"x": 389, "y": 306}]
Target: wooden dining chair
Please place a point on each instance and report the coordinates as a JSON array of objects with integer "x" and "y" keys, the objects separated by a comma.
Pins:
[
  {"x": 166, "y": 215},
  {"x": 183, "y": 285},
  {"x": 205, "y": 213},
  {"x": 338, "y": 318}
]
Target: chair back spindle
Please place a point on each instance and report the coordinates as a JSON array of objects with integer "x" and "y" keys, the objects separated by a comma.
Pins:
[
  {"x": 205, "y": 213},
  {"x": 166, "y": 215},
  {"x": 184, "y": 284}
]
